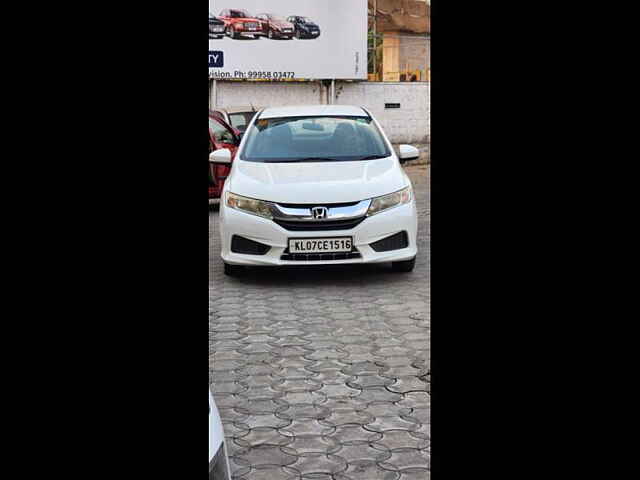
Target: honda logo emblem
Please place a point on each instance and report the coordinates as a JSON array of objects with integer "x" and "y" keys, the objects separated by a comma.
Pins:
[{"x": 319, "y": 213}]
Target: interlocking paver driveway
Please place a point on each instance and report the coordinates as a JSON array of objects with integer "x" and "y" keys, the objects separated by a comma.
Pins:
[{"x": 323, "y": 373}]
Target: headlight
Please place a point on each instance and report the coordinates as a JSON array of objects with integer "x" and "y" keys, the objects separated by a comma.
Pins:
[
  {"x": 386, "y": 202},
  {"x": 249, "y": 205}
]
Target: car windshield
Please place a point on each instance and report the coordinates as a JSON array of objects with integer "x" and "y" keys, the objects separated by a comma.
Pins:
[
  {"x": 240, "y": 120},
  {"x": 239, "y": 14},
  {"x": 314, "y": 139}
]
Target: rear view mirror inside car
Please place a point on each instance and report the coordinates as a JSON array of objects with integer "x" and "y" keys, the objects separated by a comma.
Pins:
[{"x": 313, "y": 126}]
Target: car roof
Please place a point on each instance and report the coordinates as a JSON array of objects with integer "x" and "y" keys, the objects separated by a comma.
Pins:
[
  {"x": 313, "y": 110},
  {"x": 238, "y": 109},
  {"x": 220, "y": 120}
]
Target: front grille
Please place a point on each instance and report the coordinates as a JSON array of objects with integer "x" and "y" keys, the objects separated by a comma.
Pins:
[
  {"x": 312, "y": 257},
  {"x": 248, "y": 247},
  {"x": 311, "y": 205},
  {"x": 394, "y": 242},
  {"x": 312, "y": 226}
]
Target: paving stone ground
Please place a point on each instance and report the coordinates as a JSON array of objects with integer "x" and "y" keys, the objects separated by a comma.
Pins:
[{"x": 323, "y": 372}]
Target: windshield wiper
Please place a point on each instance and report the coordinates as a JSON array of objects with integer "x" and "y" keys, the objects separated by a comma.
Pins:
[
  {"x": 372, "y": 157},
  {"x": 306, "y": 159}
]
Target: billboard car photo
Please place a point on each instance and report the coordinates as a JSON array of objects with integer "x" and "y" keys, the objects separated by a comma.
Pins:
[
  {"x": 305, "y": 27},
  {"x": 216, "y": 27},
  {"x": 301, "y": 39},
  {"x": 274, "y": 27},
  {"x": 240, "y": 23}
]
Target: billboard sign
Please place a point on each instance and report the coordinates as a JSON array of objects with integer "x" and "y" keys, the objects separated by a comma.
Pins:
[{"x": 287, "y": 39}]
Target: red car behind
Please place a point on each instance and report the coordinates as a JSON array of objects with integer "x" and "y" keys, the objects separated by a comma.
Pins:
[{"x": 221, "y": 135}]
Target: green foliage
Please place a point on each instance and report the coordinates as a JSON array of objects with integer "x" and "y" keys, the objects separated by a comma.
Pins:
[{"x": 374, "y": 56}]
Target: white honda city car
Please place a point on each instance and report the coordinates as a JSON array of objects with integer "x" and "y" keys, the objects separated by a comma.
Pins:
[
  {"x": 316, "y": 185},
  {"x": 218, "y": 461}
]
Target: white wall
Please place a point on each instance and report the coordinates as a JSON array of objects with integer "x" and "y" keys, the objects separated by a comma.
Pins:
[
  {"x": 408, "y": 124},
  {"x": 269, "y": 94}
]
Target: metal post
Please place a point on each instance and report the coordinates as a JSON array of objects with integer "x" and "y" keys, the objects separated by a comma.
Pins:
[
  {"x": 332, "y": 92},
  {"x": 375, "y": 39},
  {"x": 214, "y": 94}
]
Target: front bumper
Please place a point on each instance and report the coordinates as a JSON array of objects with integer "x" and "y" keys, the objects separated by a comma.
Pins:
[
  {"x": 372, "y": 229},
  {"x": 244, "y": 32}
]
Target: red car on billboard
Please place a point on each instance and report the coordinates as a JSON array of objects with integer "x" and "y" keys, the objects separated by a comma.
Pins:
[
  {"x": 221, "y": 135},
  {"x": 239, "y": 23},
  {"x": 275, "y": 27}
]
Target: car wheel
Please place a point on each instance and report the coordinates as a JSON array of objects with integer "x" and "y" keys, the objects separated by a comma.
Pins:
[
  {"x": 405, "y": 266},
  {"x": 270, "y": 34},
  {"x": 233, "y": 33},
  {"x": 233, "y": 270}
]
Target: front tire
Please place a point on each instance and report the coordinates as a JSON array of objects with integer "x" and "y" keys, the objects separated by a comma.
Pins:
[
  {"x": 404, "y": 266},
  {"x": 233, "y": 270}
]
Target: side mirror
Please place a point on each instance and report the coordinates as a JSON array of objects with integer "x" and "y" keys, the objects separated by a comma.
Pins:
[
  {"x": 222, "y": 156},
  {"x": 408, "y": 152}
]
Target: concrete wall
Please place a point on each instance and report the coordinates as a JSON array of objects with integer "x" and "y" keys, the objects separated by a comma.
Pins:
[
  {"x": 414, "y": 54},
  {"x": 263, "y": 94},
  {"x": 408, "y": 124}
]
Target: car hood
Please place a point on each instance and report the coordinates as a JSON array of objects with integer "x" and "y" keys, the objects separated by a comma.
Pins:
[
  {"x": 247, "y": 19},
  {"x": 322, "y": 182},
  {"x": 310, "y": 24}
]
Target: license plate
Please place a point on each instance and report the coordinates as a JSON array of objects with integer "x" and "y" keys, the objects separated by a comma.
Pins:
[{"x": 320, "y": 245}]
